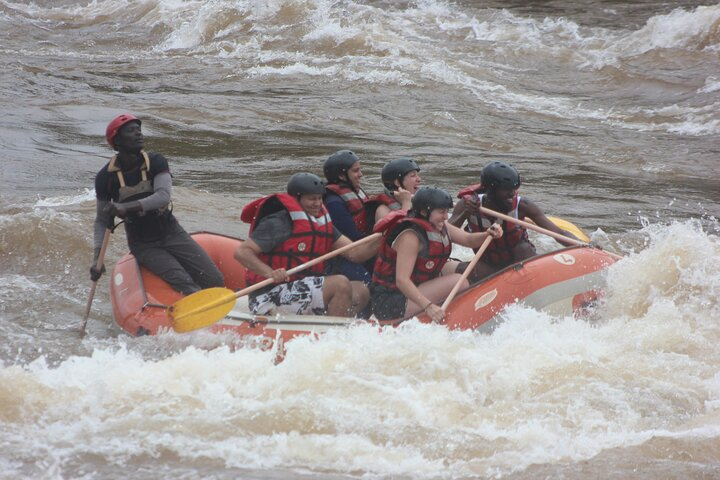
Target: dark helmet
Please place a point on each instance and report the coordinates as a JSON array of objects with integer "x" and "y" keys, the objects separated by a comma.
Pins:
[
  {"x": 305, "y": 183},
  {"x": 396, "y": 170},
  {"x": 338, "y": 164},
  {"x": 429, "y": 198},
  {"x": 500, "y": 175}
]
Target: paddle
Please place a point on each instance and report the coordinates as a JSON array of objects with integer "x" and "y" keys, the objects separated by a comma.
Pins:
[
  {"x": 568, "y": 227},
  {"x": 203, "y": 308},
  {"x": 466, "y": 273},
  {"x": 545, "y": 231},
  {"x": 98, "y": 266},
  {"x": 238, "y": 318}
]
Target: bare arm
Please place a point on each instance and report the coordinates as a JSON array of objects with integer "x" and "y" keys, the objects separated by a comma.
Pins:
[
  {"x": 533, "y": 212},
  {"x": 404, "y": 197},
  {"x": 459, "y": 214},
  {"x": 380, "y": 212},
  {"x": 473, "y": 240},
  {"x": 359, "y": 253},
  {"x": 248, "y": 253}
]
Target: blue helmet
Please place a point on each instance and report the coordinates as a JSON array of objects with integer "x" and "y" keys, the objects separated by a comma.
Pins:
[
  {"x": 429, "y": 198},
  {"x": 396, "y": 170},
  {"x": 500, "y": 175},
  {"x": 338, "y": 164},
  {"x": 305, "y": 183}
]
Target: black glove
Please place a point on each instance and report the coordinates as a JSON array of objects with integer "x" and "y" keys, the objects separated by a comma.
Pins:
[
  {"x": 122, "y": 209},
  {"x": 95, "y": 274}
]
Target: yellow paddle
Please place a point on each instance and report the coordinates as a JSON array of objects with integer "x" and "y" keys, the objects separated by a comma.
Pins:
[
  {"x": 569, "y": 227},
  {"x": 98, "y": 266},
  {"x": 545, "y": 231},
  {"x": 203, "y": 308}
]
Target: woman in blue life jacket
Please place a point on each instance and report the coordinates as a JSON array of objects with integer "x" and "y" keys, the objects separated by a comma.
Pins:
[
  {"x": 136, "y": 186},
  {"x": 346, "y": 202},
  {"x": 413, "y": 272}
]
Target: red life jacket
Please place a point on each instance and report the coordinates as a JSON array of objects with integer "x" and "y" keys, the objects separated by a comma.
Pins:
[
  {"x": 472, "y": 190},
  {"x": 311, "y": 237},
  {"x": 428, "y": 264},
  {"x": 385, "y": 198},
  {"x": 499, "y": 252},
  {"x": 355, "y": 203}
]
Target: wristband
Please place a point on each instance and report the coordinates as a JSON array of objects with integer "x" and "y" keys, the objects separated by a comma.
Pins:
[{"x": 427, "y": 306}]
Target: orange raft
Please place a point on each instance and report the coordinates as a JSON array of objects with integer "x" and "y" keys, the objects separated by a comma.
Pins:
[{"x": 563, "y": 282}]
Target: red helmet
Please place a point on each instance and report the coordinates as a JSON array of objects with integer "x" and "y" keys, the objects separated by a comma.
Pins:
[{"x": 117, "y": 124}]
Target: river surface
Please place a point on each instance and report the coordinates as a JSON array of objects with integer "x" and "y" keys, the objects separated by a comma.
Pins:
[{"x": 610, "y": 110}]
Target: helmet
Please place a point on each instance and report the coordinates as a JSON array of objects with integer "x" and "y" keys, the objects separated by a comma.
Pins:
[
  {"x": 396, "y": 170},
  {"x": 500, "y": 175},
  {"x": 429, "y": 198},
  {"x": 305, "y": 183},
  {"x": 338, "y": 164},
  {"x": 116, "y": 124}
]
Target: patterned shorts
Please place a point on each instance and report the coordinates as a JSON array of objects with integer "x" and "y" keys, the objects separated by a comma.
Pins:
[{"x": 301, "y": 297}]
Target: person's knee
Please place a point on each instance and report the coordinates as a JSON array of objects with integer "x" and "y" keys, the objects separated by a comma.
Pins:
[
  {"x": 337, "y": 287},
  {"x": 180, "y": 281},
  {"x": 523, "y": 250},
  {"x": 361, "y": 294},
  {"x": 213, "y": 279}
]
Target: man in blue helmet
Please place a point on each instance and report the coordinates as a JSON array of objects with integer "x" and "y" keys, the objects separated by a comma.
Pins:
[{"x": 498, "y": 190}]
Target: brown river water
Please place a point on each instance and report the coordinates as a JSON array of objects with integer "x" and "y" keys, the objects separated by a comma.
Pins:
[{"x": 610, "y": 111}]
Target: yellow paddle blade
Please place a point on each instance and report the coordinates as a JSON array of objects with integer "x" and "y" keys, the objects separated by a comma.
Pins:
[
  {"x": 570, "y": 227},
  {"x": 201, "y": 309}
]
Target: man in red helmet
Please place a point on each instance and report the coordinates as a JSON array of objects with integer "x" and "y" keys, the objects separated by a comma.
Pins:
[{"x": 136, "y": 186}]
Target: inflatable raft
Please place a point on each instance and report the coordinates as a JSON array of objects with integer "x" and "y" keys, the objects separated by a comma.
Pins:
[{"x": 563, "y": 282}]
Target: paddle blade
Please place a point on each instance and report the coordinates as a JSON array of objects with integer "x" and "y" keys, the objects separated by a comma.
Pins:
[
  {"x": 570, "y": 228},
  {"x": 201, "y": 309}
]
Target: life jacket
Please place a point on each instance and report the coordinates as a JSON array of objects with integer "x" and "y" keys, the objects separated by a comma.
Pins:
[
  {"x": 385, "y": 198},
  {"x": 499, "y": 252},
  {"x": 138, "y": 191},
  {"x": 429, "y": 262},
  {"x": 355, "y": 203},
  {"x": 472, "y": 190},
  {"x": 311, "y": 237},
  {"x": 143, "y": 226}
]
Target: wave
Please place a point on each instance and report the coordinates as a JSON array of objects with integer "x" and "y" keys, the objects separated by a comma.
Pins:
[
  {"x": 503, "y": 59},
  {"x": 319, "y": 28},
  {"x": 418, "y": 400}
]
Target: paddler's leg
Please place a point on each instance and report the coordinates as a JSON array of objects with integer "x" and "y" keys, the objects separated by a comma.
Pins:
[
  {"x": 338, "y": 296},
  {"x": 480, "y": 271},
  {"x": 523, "y": 251},
  {"x": 159, "y": 261},
  {"x": 436, "y": 290},
  {"x": 360, "y": 299},
  {"x": 193, "y": 259}
]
